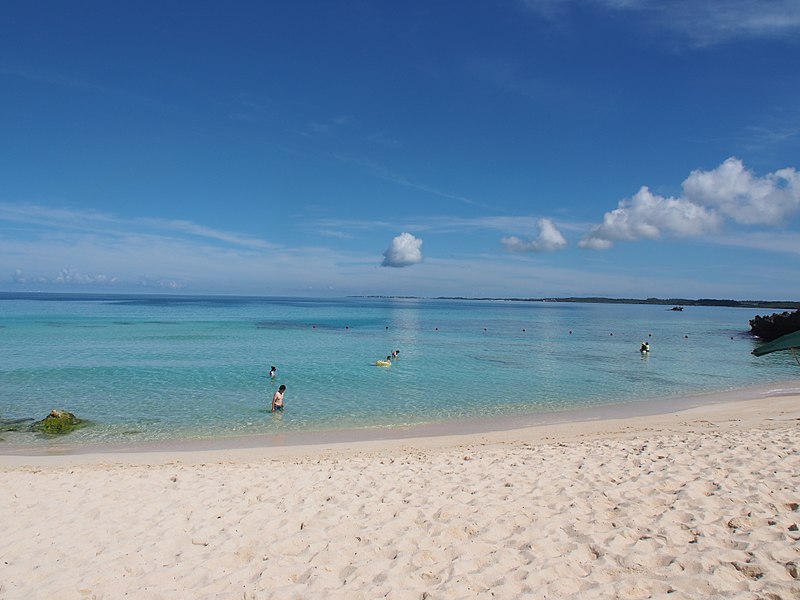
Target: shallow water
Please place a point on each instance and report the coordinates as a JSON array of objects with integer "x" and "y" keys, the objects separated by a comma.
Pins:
[{"x": 152, "y": 368}]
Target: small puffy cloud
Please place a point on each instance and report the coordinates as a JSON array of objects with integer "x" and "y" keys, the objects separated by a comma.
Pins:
[
  {"x": 745, "y": 198},
  {"x": 404, "y": 251},
  {"x": 548, "y": 240},
  {"x": 709, "y": 198}
]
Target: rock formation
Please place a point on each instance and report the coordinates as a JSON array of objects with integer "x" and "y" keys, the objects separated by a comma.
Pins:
[
  {"x": 771, "y": 327},
  {"x": 58, "y": 421}
]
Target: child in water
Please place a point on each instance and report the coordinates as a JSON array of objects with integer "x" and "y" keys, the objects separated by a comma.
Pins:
[{"x": 277, "y": 399}]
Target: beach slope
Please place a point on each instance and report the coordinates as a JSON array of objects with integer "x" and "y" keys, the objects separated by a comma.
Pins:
[{"x": 696, "y": 504}]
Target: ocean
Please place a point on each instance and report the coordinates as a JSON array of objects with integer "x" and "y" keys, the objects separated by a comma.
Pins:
[{"x": 150, "y": 368}]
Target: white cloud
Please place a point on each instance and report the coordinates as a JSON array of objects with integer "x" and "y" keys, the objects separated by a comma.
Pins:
[
  {"x": 745, "y": 198},
  {"x": 648, "y": 216},
  {"x": 548, "y": 240},
  {"x": 404, "y": 251},
  {"x": 729, "y": 192}
]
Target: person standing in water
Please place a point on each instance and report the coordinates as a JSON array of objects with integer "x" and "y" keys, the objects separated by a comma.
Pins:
[
  {"x": 272, "y": 371},
  {"x": 277, "y": 399}
]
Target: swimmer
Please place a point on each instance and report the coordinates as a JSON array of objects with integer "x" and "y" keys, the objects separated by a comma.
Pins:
[{"x": 277, "y": 399}]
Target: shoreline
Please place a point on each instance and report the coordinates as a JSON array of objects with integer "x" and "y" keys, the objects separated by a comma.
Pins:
[
  {"x": 583, "y": 422},
  {"x": 700, "y": 501}
]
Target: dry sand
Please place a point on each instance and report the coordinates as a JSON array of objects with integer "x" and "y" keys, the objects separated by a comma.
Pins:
[{"x": 697, "y": 504}]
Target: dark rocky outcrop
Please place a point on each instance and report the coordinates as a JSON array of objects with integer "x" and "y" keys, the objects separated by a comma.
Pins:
[{"x": 771, "y": 327}]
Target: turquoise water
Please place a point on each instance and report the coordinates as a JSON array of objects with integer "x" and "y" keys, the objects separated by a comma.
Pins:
[{"x": 152, "y": 368}]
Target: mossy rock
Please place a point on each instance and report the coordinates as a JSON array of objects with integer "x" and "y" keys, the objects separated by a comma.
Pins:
[{"x": 59, "y": 422}]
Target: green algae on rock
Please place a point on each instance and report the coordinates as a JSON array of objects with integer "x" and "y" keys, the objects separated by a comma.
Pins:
[{"x": 58, "y": 422}]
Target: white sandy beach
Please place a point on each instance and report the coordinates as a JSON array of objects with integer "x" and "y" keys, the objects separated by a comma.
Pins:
[{"x": 697, "y": 504}]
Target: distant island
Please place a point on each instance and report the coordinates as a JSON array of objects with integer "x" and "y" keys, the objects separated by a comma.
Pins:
[{"x": 677, "y": 302}]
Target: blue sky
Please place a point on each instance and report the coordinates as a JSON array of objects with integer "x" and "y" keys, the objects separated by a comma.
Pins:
[{"x": 480, "y": 148}]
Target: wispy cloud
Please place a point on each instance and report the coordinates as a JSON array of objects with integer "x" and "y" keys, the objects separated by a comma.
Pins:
[
  {"x": 155, "y": 259},
  {"x": 520, "y": 225},
  {"x": 779, "y": 128},
  {"x": 384, "y": 173},
  {"x": 506, "y": 76},
  {"x": 380, "y": 138},
  {"x": 54, "y": 78},
  {"x": 326, "y": 126},
  {"x": 67, "y": 247},
  {"x": 335, "y": 233},
  {"x": 703, "y": 23},
  {"x": 719, "y": 21},
  {"x": 245, "y": 107},
  {"x": 158, "y": 260},
  {"x": 771, "y": 241},
  {"x": 46, "y": 216},
  {"x": 762, "y": 136},
  {"x": 190, "y": 228},
  {"x": 109, "y": 225}
]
